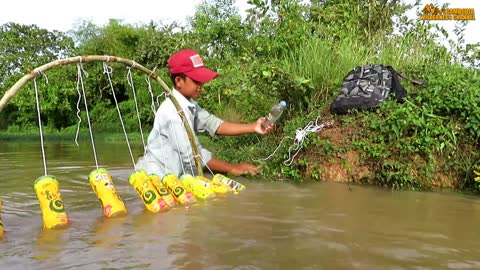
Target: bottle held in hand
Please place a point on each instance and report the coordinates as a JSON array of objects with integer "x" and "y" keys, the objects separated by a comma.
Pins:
[{"x": 274, "y": 114}]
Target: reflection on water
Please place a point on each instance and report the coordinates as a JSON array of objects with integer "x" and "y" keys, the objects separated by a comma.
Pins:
[
  {"x": 48, "y": 245},
  {"x": 270, "y": 225}
]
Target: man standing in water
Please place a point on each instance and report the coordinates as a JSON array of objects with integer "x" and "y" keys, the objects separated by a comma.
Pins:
[{"x": 168, "y": 149}]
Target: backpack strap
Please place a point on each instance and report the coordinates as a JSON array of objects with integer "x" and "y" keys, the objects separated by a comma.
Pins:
[
  {"x": 414, "y": 81},
  {"x": 400, "y": 92}
]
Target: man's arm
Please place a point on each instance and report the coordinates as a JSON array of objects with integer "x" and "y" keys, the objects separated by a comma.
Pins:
[
  {"x": 222, "y": 166},
  {"x": 231, "y": 129}
]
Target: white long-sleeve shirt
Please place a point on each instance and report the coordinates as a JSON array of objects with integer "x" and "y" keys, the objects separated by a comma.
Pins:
[{"x": 168, "y": 149}]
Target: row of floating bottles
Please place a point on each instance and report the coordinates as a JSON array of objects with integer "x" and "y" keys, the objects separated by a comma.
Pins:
[{"x": 156, "y": 194}]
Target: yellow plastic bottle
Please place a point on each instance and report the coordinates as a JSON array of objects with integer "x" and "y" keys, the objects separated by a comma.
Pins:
[
  {"x": 1, "y": 224},
  {"x": 217, "y": 187},
  {"x": 236, "y": 186},
  {"x": 147, "y": 192},
  {"x": 162, "y": 190},
  {"x": 102, "y": 185},
  {"x": 51, "y": 203},
  {"x": 176, "y": 188},
  {"x": 200, "y": 189}
]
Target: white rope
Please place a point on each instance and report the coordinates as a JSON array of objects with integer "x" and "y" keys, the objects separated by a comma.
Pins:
[
  {"x": 80, "y": 70},
  {"x": 78, "y": 103},
  {"x": 274, "y": 151},
  {"x": 149, "y": 87},
  {"x": 159, "y": 96},
  {"x": 203, "y": 161},
  {"x": 108, "y": 70},
  {"x": 40, "y": 73},
  {"x": 130, "y": 82},
  {"x": 79, "y": 75},
  {"x": 300, "y": 136},
  {"x": 37, "y": 100}
]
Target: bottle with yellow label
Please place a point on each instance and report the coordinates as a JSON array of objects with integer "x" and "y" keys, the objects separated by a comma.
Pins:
[
  {"x": 200, "y": 189},
  {"x": 147, "y": 192},
  {"x": 51, "y": 203},
  {"x": 1, "y": 224},
  {"x": 217, "y": 187},
  {"x": 234, "y": 185},
  {"x": 162, "y": 190},
  {"x": 176, "y": 188},
  {"x": 102, "y": 185}
]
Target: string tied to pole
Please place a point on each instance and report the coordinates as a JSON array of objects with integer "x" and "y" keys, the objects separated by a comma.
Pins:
[
  {"x": 37, "y": 102},
  {"x": 80, "y": 84},
  {"x": 108, "y": 71}
]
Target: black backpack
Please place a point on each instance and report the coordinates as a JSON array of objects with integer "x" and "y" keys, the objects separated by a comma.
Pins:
[{"x": 366, "y": 87}]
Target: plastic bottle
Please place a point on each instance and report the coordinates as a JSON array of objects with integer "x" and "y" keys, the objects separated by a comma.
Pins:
[
  {"x": 236, "y": 186},
  {"x": 102, "y": 184},
  {"x": 147, "y": 192},
  {"x": 167, "y": 197},
  {"x": 177, "y": 189},
  {"x": 274, "y": 113},
  {"x": 200, "y": 189},
  {"x": 51, "y": 203},
  {"x": 217, "y": 187}
]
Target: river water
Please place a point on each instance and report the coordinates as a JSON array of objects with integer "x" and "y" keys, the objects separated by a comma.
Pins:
[{"x": 271, "y": 225}]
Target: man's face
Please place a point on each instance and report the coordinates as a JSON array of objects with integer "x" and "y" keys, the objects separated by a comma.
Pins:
[{"x": 188, "y": 87}]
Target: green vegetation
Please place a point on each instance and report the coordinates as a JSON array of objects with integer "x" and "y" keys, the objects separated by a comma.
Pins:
[{"x": 281, "y": 50}]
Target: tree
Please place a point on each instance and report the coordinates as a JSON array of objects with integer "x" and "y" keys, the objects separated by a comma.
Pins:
[
  {"x": 22, "y": 48},
  {"x": 219, "y": 30},
  {"x": 366, "y": 18}
]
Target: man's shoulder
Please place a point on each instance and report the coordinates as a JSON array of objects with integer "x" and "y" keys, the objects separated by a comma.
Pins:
[{"x": 166, "y": 106}]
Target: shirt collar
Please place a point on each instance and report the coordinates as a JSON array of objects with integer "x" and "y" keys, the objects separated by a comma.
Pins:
[{"x": 183, "y": 101}]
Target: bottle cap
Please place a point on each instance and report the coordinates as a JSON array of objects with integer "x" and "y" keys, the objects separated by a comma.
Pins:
[{"x": 283, "y": 103}]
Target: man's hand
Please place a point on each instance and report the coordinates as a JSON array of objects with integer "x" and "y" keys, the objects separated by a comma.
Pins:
[
  {"x": 243, "y": 168},
  {"x": 260, "y": 129},
  {"x": 222, "y": 166}
]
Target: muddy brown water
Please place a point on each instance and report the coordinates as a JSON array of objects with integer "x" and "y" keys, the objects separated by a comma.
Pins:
[{"x": 271, "y": 225}]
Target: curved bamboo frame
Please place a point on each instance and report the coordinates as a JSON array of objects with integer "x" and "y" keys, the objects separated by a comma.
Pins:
[{"x": 10, "y": 93}]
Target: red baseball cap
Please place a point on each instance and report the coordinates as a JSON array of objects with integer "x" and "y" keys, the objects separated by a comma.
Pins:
[{"x": 190, "y": 63}]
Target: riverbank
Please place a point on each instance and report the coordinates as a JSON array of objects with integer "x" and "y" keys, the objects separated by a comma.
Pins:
[
  {"x": 361, "y": 147},
  {"x": 345, "y": 162},
  {"x": 352, "y": 150},
  {"x": 344, "y": 152}
]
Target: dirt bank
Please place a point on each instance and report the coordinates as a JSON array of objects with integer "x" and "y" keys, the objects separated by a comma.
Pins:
[{"x": 337, "y": 159}]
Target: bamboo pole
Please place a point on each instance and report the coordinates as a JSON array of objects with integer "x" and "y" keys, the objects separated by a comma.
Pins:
[{"x": 10, "y": 93}]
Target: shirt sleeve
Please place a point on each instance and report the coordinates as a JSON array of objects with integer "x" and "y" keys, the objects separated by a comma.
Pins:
[
  {"x": 206, "y": 121},
  {"x": 206, "y": 156}
]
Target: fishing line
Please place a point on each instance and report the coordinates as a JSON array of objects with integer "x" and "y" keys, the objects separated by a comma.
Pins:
[
  {"x": 80, "y": 82},
  {"x": 108, "y": 71},
  {"x": 37, "y": 101},
  {"x": 152, "y": 97},
  {"x": 130, "y": 82}
]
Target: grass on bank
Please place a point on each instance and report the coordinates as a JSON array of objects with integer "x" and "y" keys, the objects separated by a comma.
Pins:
[{"x": 436, "y": 125}]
